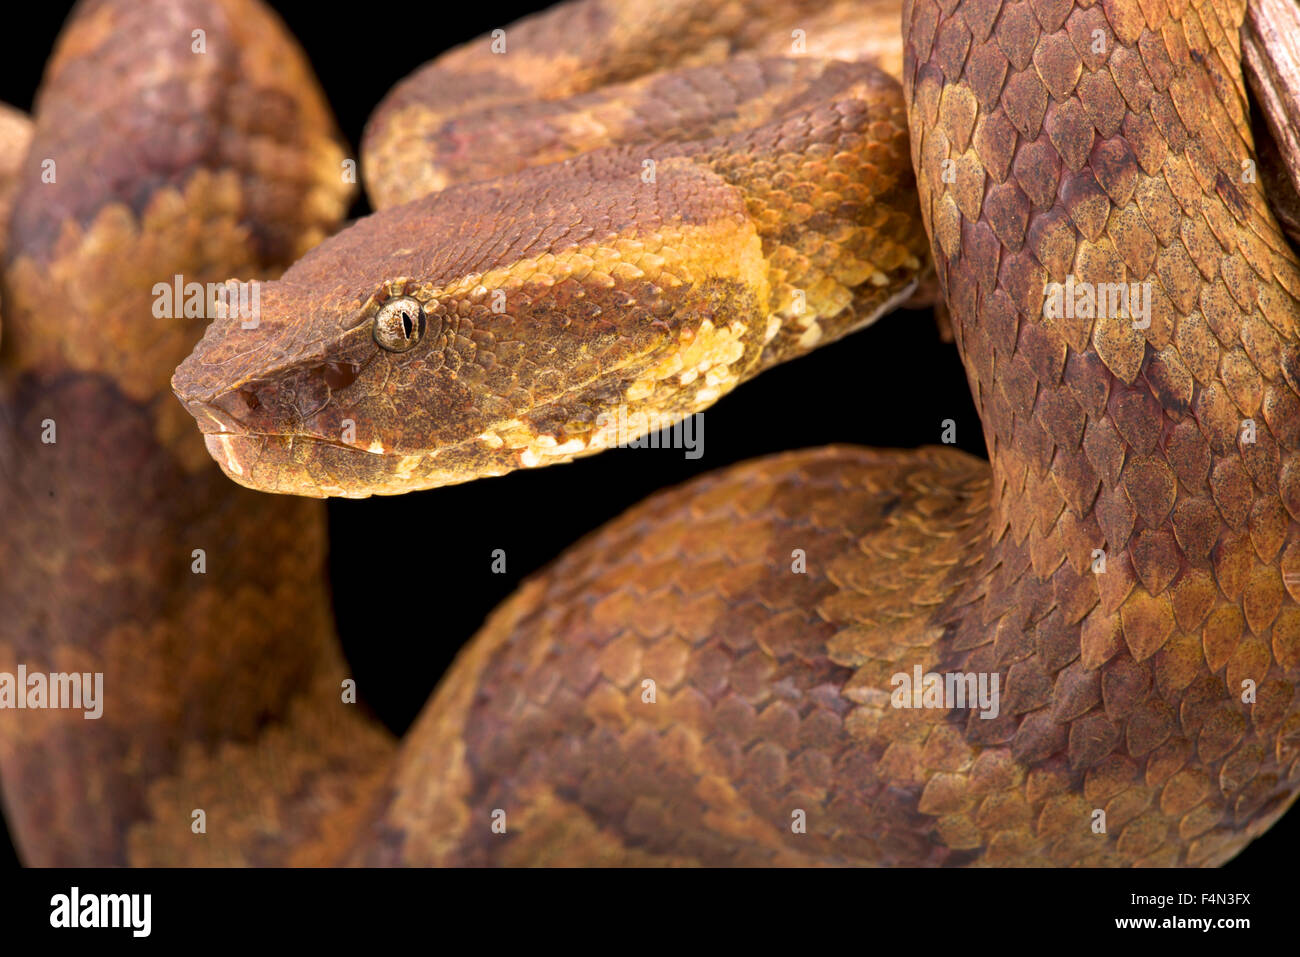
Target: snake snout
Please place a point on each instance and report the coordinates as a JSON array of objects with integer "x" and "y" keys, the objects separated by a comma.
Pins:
[
  {"x": 212, "y": 419},
  {"x": 283, "y": 405},
  {"x": 241, "y": 410}
]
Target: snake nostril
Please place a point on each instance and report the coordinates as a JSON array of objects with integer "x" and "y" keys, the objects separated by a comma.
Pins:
[{"x": 235, "y": 408}]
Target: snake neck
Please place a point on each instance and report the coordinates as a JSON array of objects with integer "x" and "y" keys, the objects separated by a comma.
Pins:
[
  {"x": 1122, "y": 299},
  {"x": 1125, "y": 308}
]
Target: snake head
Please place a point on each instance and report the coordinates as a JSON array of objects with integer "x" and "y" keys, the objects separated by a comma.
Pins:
[{"x": 486, "y": 328}]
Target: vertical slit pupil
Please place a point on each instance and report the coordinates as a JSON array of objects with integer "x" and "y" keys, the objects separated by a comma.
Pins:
[{"x": 406, "y": 324}]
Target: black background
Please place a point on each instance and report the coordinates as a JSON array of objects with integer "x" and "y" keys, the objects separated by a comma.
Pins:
[{"x": 889, "y": 386}]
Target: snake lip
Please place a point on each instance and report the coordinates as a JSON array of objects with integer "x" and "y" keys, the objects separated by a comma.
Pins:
[
  {"x": 215, "y": 421},
  {"x": 243, "y": 433},
  {"x": 207, "y": 414}
]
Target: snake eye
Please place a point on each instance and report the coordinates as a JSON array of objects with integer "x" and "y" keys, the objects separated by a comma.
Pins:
[{"x": 399, "y": 323}]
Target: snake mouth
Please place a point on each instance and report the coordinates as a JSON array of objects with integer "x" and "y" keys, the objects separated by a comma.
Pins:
[
  {"x": 283, "y": 463},
  {"x": 296, "y": 405},
  {"x": 296, "y": 464},
  {"x": 214, "y": 421}
]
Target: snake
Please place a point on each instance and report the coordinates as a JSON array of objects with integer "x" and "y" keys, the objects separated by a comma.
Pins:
[{"x": 622, "y": 207}]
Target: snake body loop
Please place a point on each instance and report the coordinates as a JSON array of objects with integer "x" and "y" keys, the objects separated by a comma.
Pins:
[{"x": 1126, "y": 567}]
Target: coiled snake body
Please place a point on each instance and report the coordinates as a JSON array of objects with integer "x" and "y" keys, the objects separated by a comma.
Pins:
[{"x": 1127, "y": 565}]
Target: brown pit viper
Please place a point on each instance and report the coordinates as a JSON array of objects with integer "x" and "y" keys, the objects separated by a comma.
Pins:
[{"x": 637, "y": 206}]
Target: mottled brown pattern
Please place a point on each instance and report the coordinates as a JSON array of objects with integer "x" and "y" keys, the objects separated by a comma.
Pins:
[
  {"x": 1117, "y": 161},
  {"x": 1122, "y": 689},
  {"x": 100, "y": 525},
  {"x": 15, "y": 137},
  {"x": 771, "y": 687},
  {"x": 563, "y": 292},
  {"x": 574, "y": 48},
  {"x": 768, "y": 605},
  {"x": 670, "y": 106}
]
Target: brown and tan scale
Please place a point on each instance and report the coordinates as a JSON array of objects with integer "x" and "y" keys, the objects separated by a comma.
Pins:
[
  {"x": 644, "y": 275},
  {"x": 1122, "y": 688},
  {"x": 15, "y": 136},
  {"x": 573, "y": 49},
  {"x": 1162, "y": 690},
  {"x": 100, "y": 525}
]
